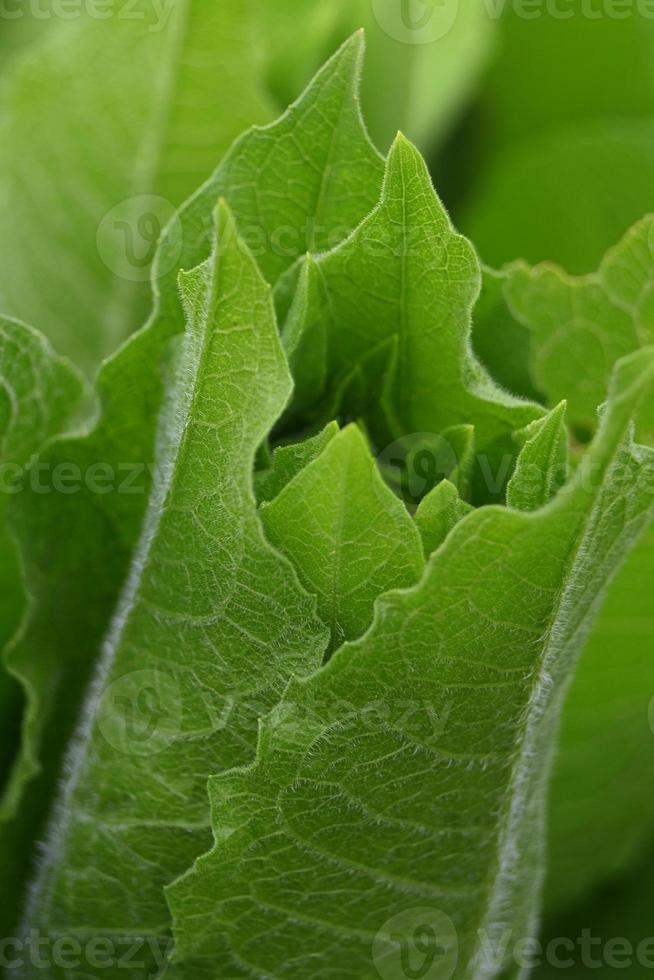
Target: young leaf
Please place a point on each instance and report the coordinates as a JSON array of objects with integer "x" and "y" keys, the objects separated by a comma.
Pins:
[
  {"x": 212, "y": 621},
  {"x": 288, "y": 461},
  {"x": 357, "y": 815},
  {"x": 542, "y": 466},
  {"x": 405, "y": 274},
  {"x": 347, "y": 534},
  {"x": 438, "y": 513},
  {"x": 100, "y": 203}
]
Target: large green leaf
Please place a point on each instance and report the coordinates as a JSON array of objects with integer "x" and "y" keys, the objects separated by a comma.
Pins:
[
  {"x": 75, "y": 579},
  {"x": 212, "y": 622},
  {"x": 151, "y": 89},
  {"x": 361, "y": 822},
  {"x": 402, "y": 288}
]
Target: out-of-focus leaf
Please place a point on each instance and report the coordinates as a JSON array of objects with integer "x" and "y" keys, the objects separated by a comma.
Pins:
[
  {"x": 39, "y": 397},
  {"x": 106, "y": 127},
  {"x": 579, "y": 327},
  {"x": 601, "y": 811},
  {"x": 566, "y": 196}
]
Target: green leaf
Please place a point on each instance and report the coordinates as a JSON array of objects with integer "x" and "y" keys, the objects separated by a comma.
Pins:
[
  {"x": 203, "y": 581},
  {"x": 347, "y": 534},
  {"x": 359, "y": 819},
  {"x": 501, "y": 342},
  {"x": 405, "y": 277},
  {"x": 75, "y": 579},
  {"x": 439, "y": 512},
  {"x": 288, "y": 461},
  {"x": 100, "y": 203},
  {"x": 40, "y": 395},
  {"x": 580, "y": 326},
  {"x": 576, "y": 327},
  {"x": 320, "y": 149},
  {"x": 542, "y": 466},
  {"x": 425, "y": 62}
]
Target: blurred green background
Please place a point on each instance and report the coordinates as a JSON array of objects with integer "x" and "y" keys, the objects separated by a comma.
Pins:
[{"x": 538, "y": 122}]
